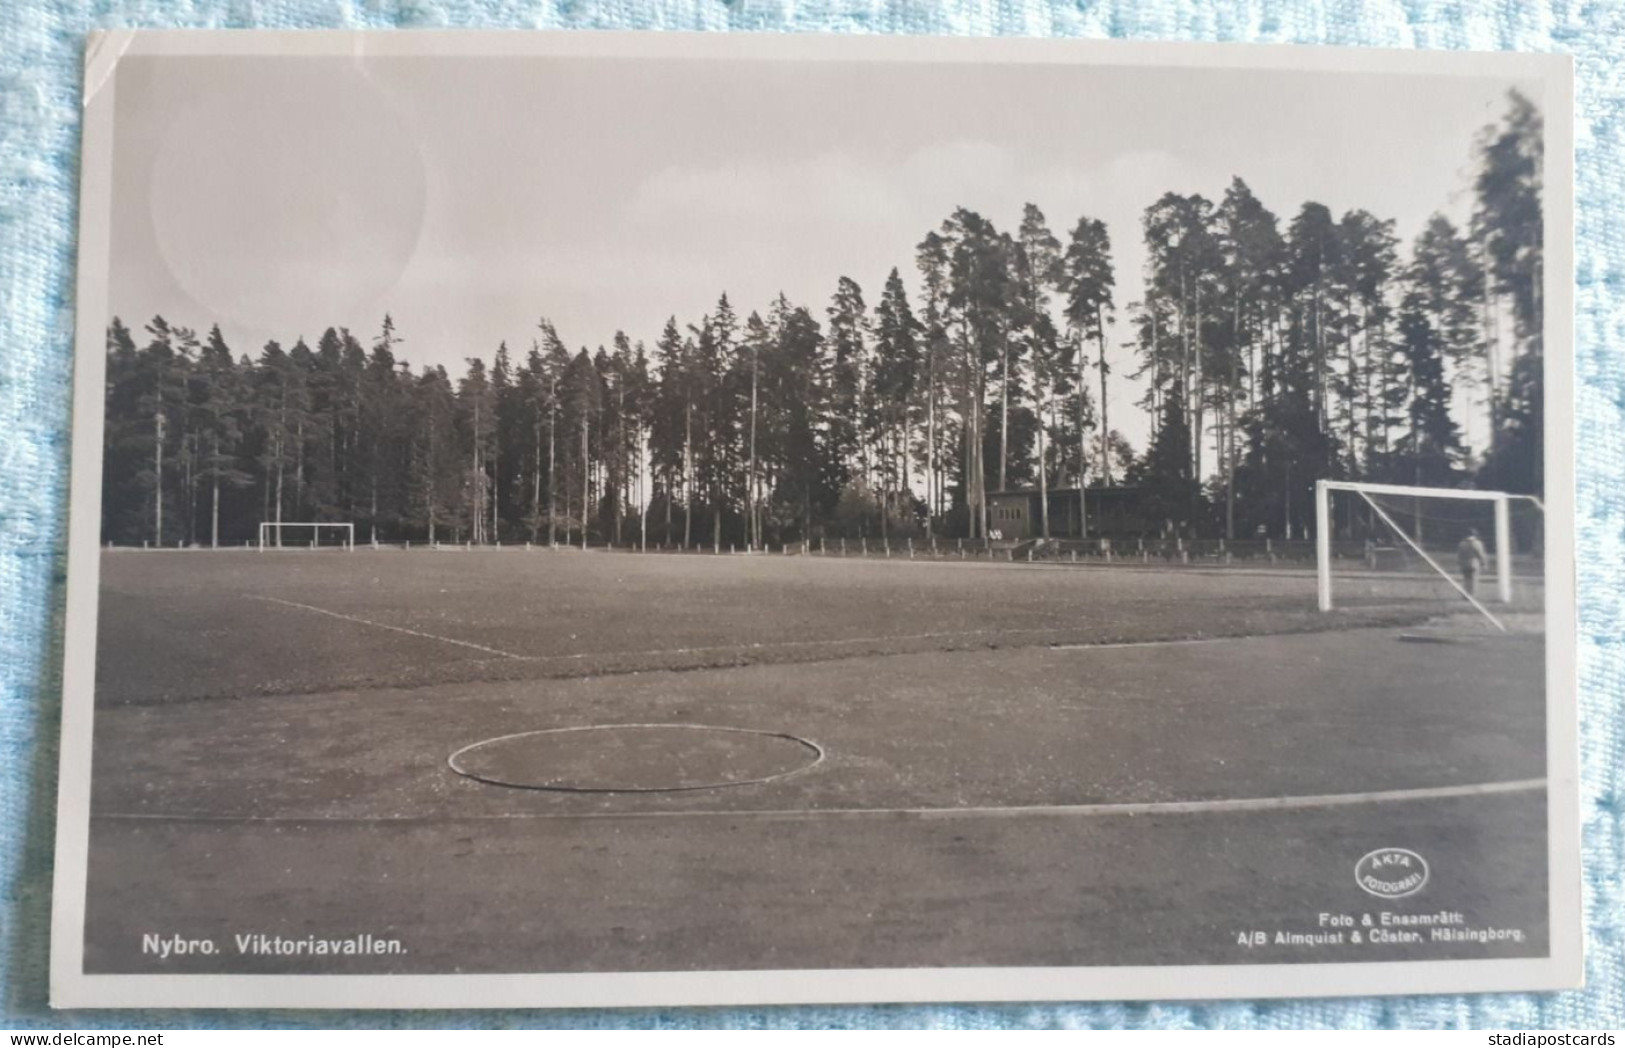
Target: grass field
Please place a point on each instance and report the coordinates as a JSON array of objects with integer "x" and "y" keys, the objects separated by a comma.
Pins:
[{"x": 1019, "y": 764}]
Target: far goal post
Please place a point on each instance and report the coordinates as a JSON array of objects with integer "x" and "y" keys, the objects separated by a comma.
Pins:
[
  {"x": 1420, "y": 533},
  {"x": 305, "y": 534}
]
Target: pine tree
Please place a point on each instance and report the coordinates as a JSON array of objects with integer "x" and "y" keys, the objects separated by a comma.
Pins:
[
  {"x": 1165, "y": 477},
  {"x": 895, "y": 373},
  {"x": 621, "y": 408},
  {"x": 507, "y": 440},
  {"x": 437, "y": 459},
  {"x": 161, "y": 387},
  {"x": 379, "y": 418},
  {"x": 758, "y": 341},
  {"x": 848, "y": 345},
  {"x": 810, "y": 471},
  {"x": 583, "y": 400},
  {"x": 670, "y": 421},
  {"x": 1311, "y": 263},
  {"x": 931, "y": 259},
  {"x": 533, "y": 391},
  {"x": 1508, "y": 222},
  {"x": 1251, "y": 248},
  {"x": 1087, "y": 281},
  {"x": 218, "y": 414},
  {"x": 640, "y": 406},
  {"x": 126, "y": 435},
  {"x": 476, "y": 421},
  {"x": 980, "y": 298}
]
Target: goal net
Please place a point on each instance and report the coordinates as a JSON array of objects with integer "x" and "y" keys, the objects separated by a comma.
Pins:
[
  {"x": 306, "y": 535},
  {"x": 1455, "y": 549}
]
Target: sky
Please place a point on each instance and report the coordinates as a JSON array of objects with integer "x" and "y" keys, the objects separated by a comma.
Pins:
[{"x": 468, "y": 197}]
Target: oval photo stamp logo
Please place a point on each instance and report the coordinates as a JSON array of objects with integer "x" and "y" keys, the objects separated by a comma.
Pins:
[{"x": 1391, "y": 873}]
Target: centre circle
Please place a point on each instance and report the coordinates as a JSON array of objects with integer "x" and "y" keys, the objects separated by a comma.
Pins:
[{"x": 635, "y": 758}]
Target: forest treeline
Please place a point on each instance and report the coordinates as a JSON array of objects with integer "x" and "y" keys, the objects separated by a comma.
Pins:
[{"x": 1270, "y": 354}]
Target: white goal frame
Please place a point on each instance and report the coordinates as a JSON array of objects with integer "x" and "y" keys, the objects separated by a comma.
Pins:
[
  {"x": 267, "y": 525},
  {"x": 1503, "y": 533}
]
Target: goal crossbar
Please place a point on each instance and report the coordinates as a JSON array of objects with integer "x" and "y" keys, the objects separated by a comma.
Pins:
[
  {"x": 1503, "y": 533},
  {"x": 1404, "y": 489},
  {"x": 268, "y": 526}
]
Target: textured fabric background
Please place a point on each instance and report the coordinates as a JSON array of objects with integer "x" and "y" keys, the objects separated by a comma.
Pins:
[{"x": 40, "y": 45}]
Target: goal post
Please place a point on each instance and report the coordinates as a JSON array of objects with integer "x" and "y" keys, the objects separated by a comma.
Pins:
[
  {"x": 1493, "y": 515},
  {"x": 271, "y": 533}
]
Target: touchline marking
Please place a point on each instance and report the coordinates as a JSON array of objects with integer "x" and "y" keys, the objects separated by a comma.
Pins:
[
  {"x": 1244, "y": 804},
  {"x": 769, "y": 645},
  {"x": 764, "y": 646},
  {"x": 941, "y": 635},
  {"x": 387, "y": 626},
  {"x": 781, "y": 644}
]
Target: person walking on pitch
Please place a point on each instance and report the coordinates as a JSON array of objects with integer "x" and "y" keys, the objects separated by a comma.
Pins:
[{"x": 1471, "y": 556}]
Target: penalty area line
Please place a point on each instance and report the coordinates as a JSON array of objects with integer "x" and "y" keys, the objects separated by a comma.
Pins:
[
  {"x": 1209, "y": 807},
  {"x": 387, "y": 626}
]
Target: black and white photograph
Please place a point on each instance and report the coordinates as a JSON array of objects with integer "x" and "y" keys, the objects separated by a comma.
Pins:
[{"x": 614, "y": 520}]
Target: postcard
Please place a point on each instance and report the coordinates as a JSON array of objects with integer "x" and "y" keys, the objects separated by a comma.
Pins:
[{"x": 631, "y": 519}]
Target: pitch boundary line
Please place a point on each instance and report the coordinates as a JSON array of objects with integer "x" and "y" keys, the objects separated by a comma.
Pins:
[
  {"x": 783, "y": 644},
  {"x": 939, "y": 635},
  {"x": 1209, "y": 807},
  {"x": 712, "y": 649},
  {"x": 387, "y": 626}
]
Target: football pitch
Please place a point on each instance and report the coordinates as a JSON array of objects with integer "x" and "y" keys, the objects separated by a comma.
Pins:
[{"x": 795, "y": 762}]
